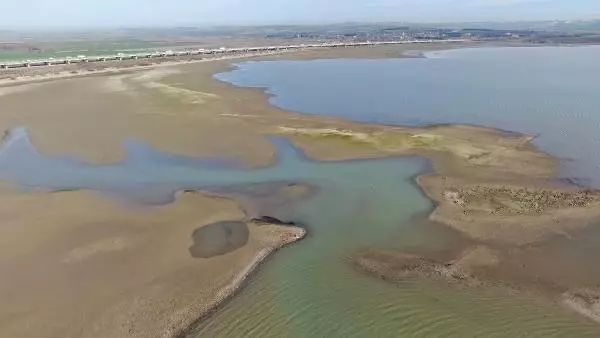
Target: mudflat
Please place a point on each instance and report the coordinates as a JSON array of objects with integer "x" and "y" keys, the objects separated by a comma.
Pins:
[{"x": 80, "y": 262}]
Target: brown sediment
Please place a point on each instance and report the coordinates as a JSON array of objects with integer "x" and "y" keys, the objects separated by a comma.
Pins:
[
  {"x": 185, "y": 111},
  {"x": 81, "y": 264}
]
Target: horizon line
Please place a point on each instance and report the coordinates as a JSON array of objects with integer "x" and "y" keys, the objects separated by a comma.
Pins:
[{"x": 292, "y": 24}]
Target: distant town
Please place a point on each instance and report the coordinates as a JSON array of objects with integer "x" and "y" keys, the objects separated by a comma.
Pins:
[
  {"x": 535, "y": 34},
  {"x": 35, "y": 48}
]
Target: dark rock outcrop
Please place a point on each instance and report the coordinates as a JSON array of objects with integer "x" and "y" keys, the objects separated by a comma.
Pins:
[{"x": 271, "y": 220}]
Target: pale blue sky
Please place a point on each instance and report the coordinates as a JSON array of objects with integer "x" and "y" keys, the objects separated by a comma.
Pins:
[{"x": 42, "y": 13}]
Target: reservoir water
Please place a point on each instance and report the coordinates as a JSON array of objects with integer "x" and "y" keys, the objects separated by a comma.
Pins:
[
  {"x": 547, "y": 91},
  {"x": 309, "y": 289}
]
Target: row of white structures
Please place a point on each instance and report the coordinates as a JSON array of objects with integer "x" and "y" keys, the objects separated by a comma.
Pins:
[{"x": 171, "y": 53}]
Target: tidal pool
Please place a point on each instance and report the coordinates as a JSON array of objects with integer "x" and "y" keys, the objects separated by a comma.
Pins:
[
  {"x": 219, "y": 238},
  {"x": 310, "y": 290}
]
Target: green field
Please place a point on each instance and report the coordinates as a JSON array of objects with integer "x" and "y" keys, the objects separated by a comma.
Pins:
[{"x": 73, "y": 49}]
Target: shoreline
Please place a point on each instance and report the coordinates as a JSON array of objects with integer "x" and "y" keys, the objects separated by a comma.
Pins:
[{"x": 547, "y": 182}]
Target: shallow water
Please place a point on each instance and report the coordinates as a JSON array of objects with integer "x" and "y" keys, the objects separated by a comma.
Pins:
[
  {"x": 309, "y": 290},
  {"x": 550, "y": 91}
]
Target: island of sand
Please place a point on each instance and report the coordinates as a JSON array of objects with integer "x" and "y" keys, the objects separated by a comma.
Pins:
[{"x": 80, "y": 262}]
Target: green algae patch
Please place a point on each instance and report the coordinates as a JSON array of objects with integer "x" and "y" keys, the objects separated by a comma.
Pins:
[
  {"x": 467, "y": 145},
  {"x": 396, "y": 140}
]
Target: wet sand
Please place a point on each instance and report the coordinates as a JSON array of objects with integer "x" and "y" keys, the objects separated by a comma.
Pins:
[
  {"x": 80, "y": 264},
  {"x": 219, "y": 238},
  {"x": 183, "y": 110}
]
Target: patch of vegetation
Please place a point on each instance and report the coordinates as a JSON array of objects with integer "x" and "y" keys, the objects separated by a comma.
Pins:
[
  {"x": 508, "y": 200},
  {"x": 381, "y": 140}
]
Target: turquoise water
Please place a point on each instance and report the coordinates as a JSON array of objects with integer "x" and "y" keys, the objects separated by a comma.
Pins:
[{"x": 547, "y": 91}]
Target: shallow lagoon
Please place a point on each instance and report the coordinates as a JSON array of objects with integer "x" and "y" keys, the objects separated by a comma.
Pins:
[{"x": 309, "y": 290}]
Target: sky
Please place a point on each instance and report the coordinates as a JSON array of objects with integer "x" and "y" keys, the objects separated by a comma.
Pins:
[{"x": 110, "y": 13}]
